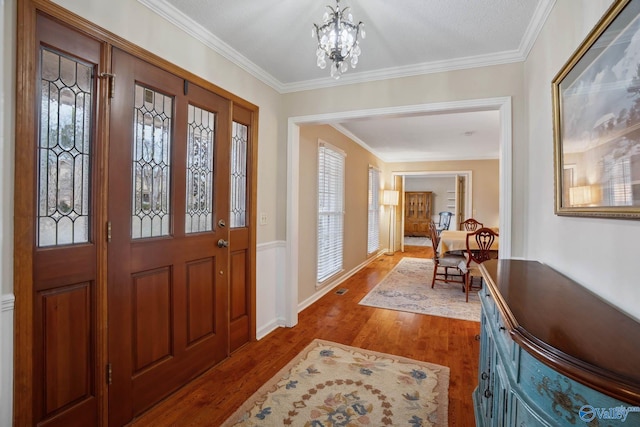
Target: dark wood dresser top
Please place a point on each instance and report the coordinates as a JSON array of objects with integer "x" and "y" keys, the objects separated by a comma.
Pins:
[{"x": 567, "y": 327}]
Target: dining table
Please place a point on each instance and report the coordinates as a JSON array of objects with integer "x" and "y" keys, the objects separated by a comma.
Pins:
[{"x": 456, "y": 241}]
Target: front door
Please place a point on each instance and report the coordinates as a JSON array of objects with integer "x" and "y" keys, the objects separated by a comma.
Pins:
[{"x": 168, "y": 212}]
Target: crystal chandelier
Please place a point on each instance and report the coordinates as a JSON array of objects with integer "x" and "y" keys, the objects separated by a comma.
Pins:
[{"x": 338, "y": 40}]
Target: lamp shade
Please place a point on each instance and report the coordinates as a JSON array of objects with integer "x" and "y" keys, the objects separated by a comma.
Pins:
[
  {"x": 585, "y": 195},
  {"x": 390, "y": 197}
]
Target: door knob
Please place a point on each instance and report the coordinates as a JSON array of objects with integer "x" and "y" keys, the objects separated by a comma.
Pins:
[{"x": 223, "y": 243}]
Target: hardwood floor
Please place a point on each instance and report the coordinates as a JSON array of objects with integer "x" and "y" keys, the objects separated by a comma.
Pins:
[{"x": 212, "y": 397}]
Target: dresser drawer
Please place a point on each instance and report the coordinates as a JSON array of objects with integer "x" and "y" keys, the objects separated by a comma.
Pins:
[
  {"x": 508, "y": 349},
  {"x": 487, "y": 301},
  {"x": 560, "y": 398},
  {"x": 524, "y": 416}
]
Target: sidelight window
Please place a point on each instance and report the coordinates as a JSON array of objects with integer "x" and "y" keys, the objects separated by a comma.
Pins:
[{"x": 238, "y": 199}]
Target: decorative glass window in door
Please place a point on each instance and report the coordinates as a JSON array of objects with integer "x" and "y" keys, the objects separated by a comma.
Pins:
[
  {"x": 238, "y": 205},
  {"x": 64, "y": 150},
  {"x": 151, "y": 163},
  {"x": 200, "y": 140}
]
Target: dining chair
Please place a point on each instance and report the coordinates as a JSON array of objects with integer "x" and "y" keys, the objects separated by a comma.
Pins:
[
  {"x": 471, "y": 224},
  {"x": 484, "y": 238},
  {"x": 444, "y": 222},
  {"x": 445, "y": 262}
]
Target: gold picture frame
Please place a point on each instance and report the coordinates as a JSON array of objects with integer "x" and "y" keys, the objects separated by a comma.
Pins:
[{"x": 596, "y": 120}]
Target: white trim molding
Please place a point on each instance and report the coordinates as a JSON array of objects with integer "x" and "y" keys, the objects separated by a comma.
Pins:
[
  {"x": 502, "y": 104},
  {"x": 270, "y": 289},
  {"x": 7, "y": 306},
  {"x": 7, "y": 303}
]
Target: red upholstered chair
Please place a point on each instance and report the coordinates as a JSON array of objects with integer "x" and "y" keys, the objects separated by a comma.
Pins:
[
  {"x": 471, "y": 225},
  {"x": 443, "y": 262},
  {"x": 484, "y": 238}
]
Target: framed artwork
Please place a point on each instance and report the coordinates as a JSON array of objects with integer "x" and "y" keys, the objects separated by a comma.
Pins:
[{"x": 596, "y": 112}]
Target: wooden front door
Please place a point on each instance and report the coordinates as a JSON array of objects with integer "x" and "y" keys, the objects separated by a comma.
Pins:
[
  {"x": 168, "y": 212},
  {"x": 122, "y": 272}
]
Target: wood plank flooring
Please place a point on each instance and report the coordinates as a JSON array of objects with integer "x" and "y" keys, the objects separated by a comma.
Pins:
[{"x": 211, "y": 398}]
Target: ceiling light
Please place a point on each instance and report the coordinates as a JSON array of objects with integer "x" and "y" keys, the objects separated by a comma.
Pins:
[{"x": 338, "y": 40}]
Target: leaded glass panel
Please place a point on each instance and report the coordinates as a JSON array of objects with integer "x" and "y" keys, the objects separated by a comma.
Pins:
[
  {"x": 238, "y": 217},
  {"x": 64, "y": 150},
  {"x": 151, "y": 167},
  {"x": 201, "y": 131}
]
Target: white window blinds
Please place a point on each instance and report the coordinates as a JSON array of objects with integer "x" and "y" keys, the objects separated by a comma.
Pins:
[
  {"x": 331, "y": 163},
  {"x": 373, "y": 230},
  {"x": 617, "y": 178}
]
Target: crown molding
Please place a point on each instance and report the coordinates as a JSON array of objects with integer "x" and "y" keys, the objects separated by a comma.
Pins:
[
  {"x": 197, "y": 31},
  {"x": 189, "y": 26},
  {"x": 499, "y": 58},
  {"x": 540, "y": 16}
]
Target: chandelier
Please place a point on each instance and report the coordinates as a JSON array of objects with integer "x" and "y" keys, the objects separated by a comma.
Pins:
[{"x": 338, "y": 40}]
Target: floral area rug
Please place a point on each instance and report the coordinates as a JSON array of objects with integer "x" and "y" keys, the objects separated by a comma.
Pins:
[
  {"x": 332, "y": 385},
  {"x": 408, "y": 288}
]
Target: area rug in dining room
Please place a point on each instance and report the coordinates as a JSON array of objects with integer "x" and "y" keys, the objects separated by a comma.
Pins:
[
  {"x": 408, "y": 288},
  {"x": 330, "y": 385}
]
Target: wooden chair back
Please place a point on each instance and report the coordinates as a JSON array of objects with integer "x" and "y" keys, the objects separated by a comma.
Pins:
[
  {"x": 484, "y": 238},
  {"x": 435, "y": 239},
  {"x": 471, "y": 224}
]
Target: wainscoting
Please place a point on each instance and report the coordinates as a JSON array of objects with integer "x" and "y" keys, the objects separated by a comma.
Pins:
[
  {"x": 270, "y": 288},
  {"x": 7, "y": 302}
]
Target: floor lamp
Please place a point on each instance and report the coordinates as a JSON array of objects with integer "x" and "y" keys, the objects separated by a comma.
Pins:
[{"x": 390, "y": 198}]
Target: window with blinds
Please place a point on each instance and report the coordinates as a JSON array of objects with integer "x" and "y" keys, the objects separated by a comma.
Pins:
[
  {"x": 373, "y": 221},
  {"x": 331, "y": 161},
  {"x": 617, "y": 178}
]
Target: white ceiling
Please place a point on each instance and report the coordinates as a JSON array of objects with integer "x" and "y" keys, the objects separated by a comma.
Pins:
[
  {"x": 272, "y": 40},
  {"x": 459, "y": 135}
]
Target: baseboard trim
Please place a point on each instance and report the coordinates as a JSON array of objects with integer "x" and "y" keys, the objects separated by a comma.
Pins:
[
  {"x": 271, "y": 245},
  {"x": 270, "y": 327},
  {"x": 335, "y": 283}
]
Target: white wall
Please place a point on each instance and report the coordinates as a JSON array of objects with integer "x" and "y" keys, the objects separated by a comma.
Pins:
[{"x": 601, "y": 254}]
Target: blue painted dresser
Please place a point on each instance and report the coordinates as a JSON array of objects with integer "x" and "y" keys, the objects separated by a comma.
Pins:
[{"x": 552, "y": 353}]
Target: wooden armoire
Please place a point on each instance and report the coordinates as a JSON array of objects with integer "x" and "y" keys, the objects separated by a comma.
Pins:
[{"x": 417, "y": 213}]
